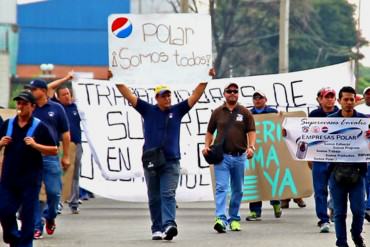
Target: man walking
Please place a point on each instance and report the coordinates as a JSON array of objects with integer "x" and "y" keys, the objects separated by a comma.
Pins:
[
  {"x": 162, "y": 124},
  {"x": 236, "y": 130},
  {"x": 25, "y": 139},
  {"x": 341, "y": 191}
]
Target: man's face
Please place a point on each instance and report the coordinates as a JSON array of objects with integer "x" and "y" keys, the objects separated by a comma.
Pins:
[
  {"x": 24, "y": 108},
  {"x": 64, "y": 96},
  {"x": 327, "y": 101},
  {"x": 347, "y": 102},
  {"x": 231, "y": 95},
  {"x": 38, "y": 92},
  {"x": 164, "y": 100},
  {"x": 367, "y": 97},
  {"x": 259, "y": 101}
]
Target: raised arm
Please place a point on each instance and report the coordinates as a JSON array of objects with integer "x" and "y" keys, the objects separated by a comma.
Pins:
[
  {"x": 198, "y": 91},
  {"x": 127, "y": 94},
  {"x": 52, "y": 86}
]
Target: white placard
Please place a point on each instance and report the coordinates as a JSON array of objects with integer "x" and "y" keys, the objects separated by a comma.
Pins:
[
  {"x": 328, "y": 139},
  {"x": 160, "y": 48}
]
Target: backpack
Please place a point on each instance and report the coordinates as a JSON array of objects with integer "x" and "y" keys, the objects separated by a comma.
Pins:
[{"x": 31, "y": 130}]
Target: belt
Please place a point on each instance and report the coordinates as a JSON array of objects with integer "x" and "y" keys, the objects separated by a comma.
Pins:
[{"x": 238, "y": 153}]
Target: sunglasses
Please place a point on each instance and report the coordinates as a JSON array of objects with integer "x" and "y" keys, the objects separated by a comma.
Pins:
[{"x": 230, "y": 91}]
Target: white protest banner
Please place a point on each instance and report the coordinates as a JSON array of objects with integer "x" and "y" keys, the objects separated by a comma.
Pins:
[
  {"x": 328, "y": 139},
  {"x": 114, "y": 129},
  {"x": 160, "y": 48}
]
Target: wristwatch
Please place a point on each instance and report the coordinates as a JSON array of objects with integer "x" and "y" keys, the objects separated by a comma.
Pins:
[{"x": 252, "y": 147}]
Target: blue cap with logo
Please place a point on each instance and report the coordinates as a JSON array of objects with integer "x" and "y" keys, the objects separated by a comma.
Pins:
[{"x": 37, "y": 84}]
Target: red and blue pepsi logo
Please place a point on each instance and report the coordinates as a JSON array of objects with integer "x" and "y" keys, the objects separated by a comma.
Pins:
[{"x": 121, "y": 27}]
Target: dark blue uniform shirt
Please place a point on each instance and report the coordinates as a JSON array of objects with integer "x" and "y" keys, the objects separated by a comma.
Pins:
[
  {"x": 265, "y": 110},
  {"x": 53, "y": 115},
  {"x": 319, "y": 112},
  {"x": 22, "y": 165},
  {"x": 154, "y": 127}
]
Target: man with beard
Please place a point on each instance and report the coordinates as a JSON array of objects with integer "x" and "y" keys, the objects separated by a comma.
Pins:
[{"x": 236, "y": 130}]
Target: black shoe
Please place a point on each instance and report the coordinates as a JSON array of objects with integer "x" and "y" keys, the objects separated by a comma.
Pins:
[
  {"x": 170, "y": 232},
  {"x": 359, "y": 241}
]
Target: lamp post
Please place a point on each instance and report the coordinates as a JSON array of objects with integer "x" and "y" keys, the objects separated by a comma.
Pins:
[{"x": 46, "y": 70}]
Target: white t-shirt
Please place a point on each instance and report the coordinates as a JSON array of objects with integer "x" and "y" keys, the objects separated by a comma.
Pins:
[{"x": 363, "y": 108}]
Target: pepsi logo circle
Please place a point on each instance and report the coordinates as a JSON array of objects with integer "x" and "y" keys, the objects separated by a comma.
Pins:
[
  {"x": 121, "y": 27},
  {"x": 324, "y": 129}
]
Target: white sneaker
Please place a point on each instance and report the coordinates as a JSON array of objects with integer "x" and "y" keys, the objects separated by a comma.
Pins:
[
  {"x": 325, "y": 227},
  {"x": 157, "y": 235}
]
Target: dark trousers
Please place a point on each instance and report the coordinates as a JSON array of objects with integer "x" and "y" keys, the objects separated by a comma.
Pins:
[{"x": 11, "y": 200}]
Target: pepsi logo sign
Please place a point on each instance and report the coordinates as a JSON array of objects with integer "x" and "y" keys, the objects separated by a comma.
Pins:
[
  {"x": 121, "y": 27},
  {"x": 324, "y": 129}
]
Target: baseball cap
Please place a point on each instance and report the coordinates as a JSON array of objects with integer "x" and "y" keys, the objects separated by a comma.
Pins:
[
  {"x": 231, "y": 84},
  {"x": 365, "y": 90},
  {"x": 325, "y": 91},
  {"x": 161, "y": 89},
  {"x": 26, "y": 96},
  {"x": 37, "y": 84},
  {"x": 259, "y": 93}
]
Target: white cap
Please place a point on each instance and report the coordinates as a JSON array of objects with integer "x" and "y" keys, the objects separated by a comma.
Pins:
[{"x": 365, "y": 90}]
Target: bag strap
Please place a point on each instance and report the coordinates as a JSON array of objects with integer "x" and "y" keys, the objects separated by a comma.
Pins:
[
  {"x": 165, "y": 131},
  {"x": 31, "y": 130}
]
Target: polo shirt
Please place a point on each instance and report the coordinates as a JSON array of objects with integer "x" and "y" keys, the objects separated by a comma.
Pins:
[
  {"x": 319, "y": 112},
  {"x": 265, "y": 110},
  {"x": 73, "y": 119},
  {"x": 362, "y": 166},
  {"x": 236, "y": 139},
  {"x": 155, "y": 132},
  {"x": 22, "y": 164},
  {"x": 55, "y": 118}
]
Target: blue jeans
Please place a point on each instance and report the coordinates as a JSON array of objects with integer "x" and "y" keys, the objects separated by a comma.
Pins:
[
  {"x": 320, "y": 178},
  {"x": 11, "y": 200},
  {"x": 230, "y": 172},
  {"x": 340, "y": 195},
  {"x": 257, "y": 206},
  {"x": 52, "y": 177},
  {"x": 161, "y": 189}
]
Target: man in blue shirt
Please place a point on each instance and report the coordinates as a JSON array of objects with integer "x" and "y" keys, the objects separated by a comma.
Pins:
[
  {"x": 260, "y": 107},
  {"x": 355, "y": 192},
  {"x": 54, "y": 116},
  {"x": 25, "y": 139},
  {"x": 162, "y": 124},
  {"x": 64, "y": 97},
  {"x": 320, "y": 171}
]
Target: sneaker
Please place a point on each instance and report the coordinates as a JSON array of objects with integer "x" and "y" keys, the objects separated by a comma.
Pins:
[
  {"x": 367, "y": 215},
  {"x": 277, "y": 210},
  {"x": 219, "y": 226},
  {"x": 359, "y": 241},
  {"x": 284, "y": 203},
  {"x": 253, "y": 217},
  {"x": 235, "y": 226},
  {"x": 50, "y": 227},
  {"x": 60, "y": 208},
  {"x": 37, "y": 234},
  {"x": 170, "y": 232},
  {"x": 157, "y": 235},
  {"x": 75, "y": 210},
  {"x": 325, "y": 227},
  {"x": 300, "y": 202}
]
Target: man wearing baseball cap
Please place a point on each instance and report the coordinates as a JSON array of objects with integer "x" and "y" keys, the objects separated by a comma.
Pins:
[
  {"x": 26, "y": 140},
  {"x": 162, "y": 124},
  {"x": 55, "y": 118}
]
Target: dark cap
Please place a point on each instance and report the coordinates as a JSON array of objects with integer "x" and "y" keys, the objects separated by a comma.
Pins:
[
  {"x": 37, "y": 84},
  {"x": 26, "y": 96},
  {"x": 259, "y": 93}
]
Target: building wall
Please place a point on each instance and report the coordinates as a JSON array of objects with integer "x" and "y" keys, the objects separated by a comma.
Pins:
[{"x": 68, "y": 32}]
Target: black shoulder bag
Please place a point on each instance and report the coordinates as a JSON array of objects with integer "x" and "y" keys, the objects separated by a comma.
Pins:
[
  {"x": 216, "y": 153},
  {"x": 153, "y": 158}
]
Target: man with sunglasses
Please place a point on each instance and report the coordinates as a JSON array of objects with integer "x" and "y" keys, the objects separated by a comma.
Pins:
[
  {"x": 260, "y": 107},
  {"x": 236, "y": 130}
]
